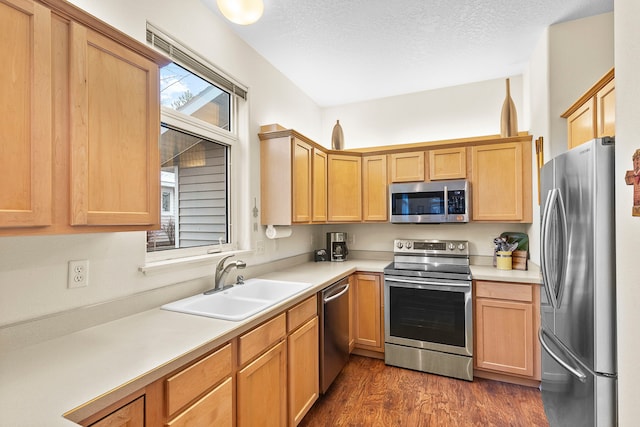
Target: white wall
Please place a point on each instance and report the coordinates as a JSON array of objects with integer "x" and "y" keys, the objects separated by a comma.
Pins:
[
  {"x": 33, "y": 270},
  {"x": 580, "y": 53},
  {"x": 537, "y": 88},
  {"x": 453, "y": 112},
  {"x": 627, "y": 61}
]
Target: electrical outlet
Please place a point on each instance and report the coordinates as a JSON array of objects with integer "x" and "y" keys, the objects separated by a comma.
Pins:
[
  {"x": 260, "y": 247},
  {"x": 78, "y": 274},
  {"x": 351, "y": 238}
]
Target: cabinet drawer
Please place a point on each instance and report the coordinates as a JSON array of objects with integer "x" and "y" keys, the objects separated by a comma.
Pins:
[
  {"x": 191, "y": 382},
  {"x": 301, "y": 313},
  {"x": 258, "y": 340},
  {"x": 214, "y": 409},
  {"x": 507, "y": 291}
]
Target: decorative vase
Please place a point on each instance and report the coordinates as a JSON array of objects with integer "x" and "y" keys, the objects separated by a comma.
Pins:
[
  {"x": 337, "y": 137},
  {"x": 509, "y": 117}
]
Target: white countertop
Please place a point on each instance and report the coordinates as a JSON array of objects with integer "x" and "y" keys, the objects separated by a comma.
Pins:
[{"x": 41, "y": 382}]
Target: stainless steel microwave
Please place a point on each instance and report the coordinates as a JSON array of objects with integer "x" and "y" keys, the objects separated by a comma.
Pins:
[{"x": 429, "y": 202}]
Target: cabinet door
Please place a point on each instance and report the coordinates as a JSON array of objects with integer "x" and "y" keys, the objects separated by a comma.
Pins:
[
  {"x": 319, "y": 192},
  {"x": 504, "y": 338},
  {"x": 114, "y": 170},
  {"x": 449, "y": 163},
  {"x": 214, "y": 409},
  {"x": 374, "y": 188},
  {"x": 301, "y": 168},
  {"x": 345, "y": 188},
  {"x": 304, "y": 387},
  {"x": 606, "y": 110},
  {"x": 368, "y": 330},
  {"x": 497, "y": 182},
  {"x": 407, "y": 167},
  {"x": 262, "y": 390},
  {"x": 25, "y": 104},
  {"x": 581, "y": 125},
  {"x": 130, "y": 415}
]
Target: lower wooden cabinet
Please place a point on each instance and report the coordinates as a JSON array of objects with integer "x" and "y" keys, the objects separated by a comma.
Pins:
[
  {"x": 368, "y": 330},
  {"x": 214, "y": 409},
  {"x": 130, "y": 415},
  {"x": 262, "y": 390},
  {"x": 304, "y": 375},
  {"x": 507, "y": 317}
]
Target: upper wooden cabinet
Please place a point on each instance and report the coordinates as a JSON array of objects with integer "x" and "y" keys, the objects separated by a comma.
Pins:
[
  {"x": 319, "y": 186},
  {"x": 345, "y": 188},
  {"x": 25, "y": 140},
  {"x": 293, "y": 179},
  {"x": 301, "y": 166},
  {"x": 115, "y": 122},
  {"x": 501, "y": 181},
  {"x": 83, "y": 139},
  {"x": 374, "y": 188},
  {"x": 594, "y": 114},
  {"x": 448, "y": 163},
  {"x": 407, "y": 167}
]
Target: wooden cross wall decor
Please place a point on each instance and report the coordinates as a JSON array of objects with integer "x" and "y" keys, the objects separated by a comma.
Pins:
[{"x": 632, "y": 177}]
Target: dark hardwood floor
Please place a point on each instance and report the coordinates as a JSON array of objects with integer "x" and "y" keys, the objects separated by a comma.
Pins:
[{"x": 369, "y": 393}]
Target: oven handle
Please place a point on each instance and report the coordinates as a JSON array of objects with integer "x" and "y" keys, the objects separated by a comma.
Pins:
[{"x": 416, "y": 282}]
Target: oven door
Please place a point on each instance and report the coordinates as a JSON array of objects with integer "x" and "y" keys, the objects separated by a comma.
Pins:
[{"x": 429, "y": 313}]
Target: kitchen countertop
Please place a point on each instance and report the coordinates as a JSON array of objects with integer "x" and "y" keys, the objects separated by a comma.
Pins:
[{"x": 97, "y": 366}]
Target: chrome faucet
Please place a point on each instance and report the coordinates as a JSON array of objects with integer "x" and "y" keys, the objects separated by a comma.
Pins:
[{"x": 222, "y": 271}]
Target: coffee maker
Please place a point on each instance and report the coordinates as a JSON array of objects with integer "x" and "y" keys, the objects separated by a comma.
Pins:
[{"x": 337, "y": 246}]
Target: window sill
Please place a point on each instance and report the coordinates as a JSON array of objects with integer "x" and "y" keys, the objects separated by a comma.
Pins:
[{"x": 159, "y": 266}]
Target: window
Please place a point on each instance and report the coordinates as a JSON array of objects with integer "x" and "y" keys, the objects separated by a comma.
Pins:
[{"x": 198, "y": 132}]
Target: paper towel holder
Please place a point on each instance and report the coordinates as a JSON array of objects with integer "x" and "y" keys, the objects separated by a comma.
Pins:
[{"x": 277, "y": 233}]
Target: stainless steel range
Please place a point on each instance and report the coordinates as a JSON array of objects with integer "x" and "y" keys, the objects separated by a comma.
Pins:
[{"x": 428, "y": 308}]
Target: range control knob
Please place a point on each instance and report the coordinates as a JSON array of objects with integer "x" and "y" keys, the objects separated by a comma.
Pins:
[
  {"x": 408, "y": 245},
  {"x": 451, "y": 246},
  {"x": 399, "y": 245},
  {"x": 461, "y": 246}
]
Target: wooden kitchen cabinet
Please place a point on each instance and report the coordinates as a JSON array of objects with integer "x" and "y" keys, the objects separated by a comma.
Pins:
[
  {"x": 593, "y": 114},
  {"x": 374, "y": 188},
  {"x": 293, "y": 178},
  {"x": 262, "y": 390},
  {"x": 345, "y": 188},
  {"x": 319, "y": 186},
  {"x": 407, "y": 167},
  {"x": 368, "y": 318},
  {"x": 303, "y": 370},
  {"x": 506, "y": 321},
  {"x": 85, "y": 153},
  {"x": 184, "y": 387},
  {"x": 448, "y": 163},
  {"x": 26, "y": 141},
  {"x": 301, "y": 181},
  {"x": 261, "y": 395},
  {"x": 115, "y": 121},
  {"x": 501, "y": 181},
  {"x": 130, "y": 415}
]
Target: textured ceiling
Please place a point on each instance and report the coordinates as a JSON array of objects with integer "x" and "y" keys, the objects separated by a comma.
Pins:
[{"x": 343, "y": 51}]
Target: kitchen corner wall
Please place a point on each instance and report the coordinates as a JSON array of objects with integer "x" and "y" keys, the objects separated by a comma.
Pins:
[{"x": 627, "y": 58}]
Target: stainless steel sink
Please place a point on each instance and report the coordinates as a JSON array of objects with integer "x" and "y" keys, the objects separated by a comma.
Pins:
[{"x": 240, "y": 301}]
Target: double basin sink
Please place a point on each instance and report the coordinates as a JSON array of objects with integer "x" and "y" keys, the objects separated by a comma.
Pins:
[{"x": 240, "y": 301}]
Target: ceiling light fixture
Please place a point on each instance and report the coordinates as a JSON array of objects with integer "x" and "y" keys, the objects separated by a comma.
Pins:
[{"x": 243, "y": 12}]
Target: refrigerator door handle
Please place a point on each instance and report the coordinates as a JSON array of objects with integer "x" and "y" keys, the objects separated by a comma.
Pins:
[
  {"x": 545, "y": 243},
  {"x": 553, "y": 276},
  {"x": 575, "y": 371}
]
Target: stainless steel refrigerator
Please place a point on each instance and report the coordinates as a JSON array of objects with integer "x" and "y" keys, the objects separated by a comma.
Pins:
[{"x": 578, "y": 327}]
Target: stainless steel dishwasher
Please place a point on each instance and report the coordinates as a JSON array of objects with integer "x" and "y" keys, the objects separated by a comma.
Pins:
[{"x": 334, "y": 331}]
